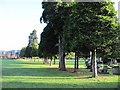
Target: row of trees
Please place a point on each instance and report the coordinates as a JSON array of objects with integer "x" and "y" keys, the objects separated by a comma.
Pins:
[
  {"x": 32, "y": 48},
  {"x": 79, "y": 27}
]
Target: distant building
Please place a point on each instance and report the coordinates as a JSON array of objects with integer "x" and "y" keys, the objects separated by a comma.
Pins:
[{"x": 13, "y": 54}]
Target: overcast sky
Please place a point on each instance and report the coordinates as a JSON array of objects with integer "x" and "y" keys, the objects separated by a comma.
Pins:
[{"x": 18, "y": 18}]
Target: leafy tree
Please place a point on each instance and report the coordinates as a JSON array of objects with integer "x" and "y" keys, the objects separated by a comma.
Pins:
[
  {"x": 70, "y": 55},
  {"x": 114, "y": 50},
  {"x": 82, "y": 27},
  {"x": 54, "y": 14},
  {"x": 92, "y": 27},
  {"x": 22, "y": 52},
  {"x": 28, "y": 52},
  {"x": 47, "y": 46},
  {"x": 32, "y": 48}
]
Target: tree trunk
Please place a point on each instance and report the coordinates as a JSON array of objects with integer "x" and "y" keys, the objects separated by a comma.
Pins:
[
  {"x": 59, "y": 63},
  {"x": 54, "y": 59},
  {"x": 34, "y": 59},
  {"x": 50, "y": 60},
  {"x": 77, "y": 59},
  {"x": 62, "y": 63},
  {"x": 61, "y": 56},
  {"x": 91, "y": 59},
  {"x": 31, "y": 59},
  {"x": 45, "y": 60},
  {"x": 94, "y": 63},
  {"x": 59, "y": 49},
  {"x": 75, "y": 63}
]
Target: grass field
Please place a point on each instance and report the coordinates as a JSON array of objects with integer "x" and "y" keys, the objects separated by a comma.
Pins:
[{"x": 26, "y": 74}]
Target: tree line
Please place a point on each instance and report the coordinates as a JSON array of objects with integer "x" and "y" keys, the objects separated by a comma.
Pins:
[
  {"x": 79, "y": 27},
  {"x": 32, "y": 48}
]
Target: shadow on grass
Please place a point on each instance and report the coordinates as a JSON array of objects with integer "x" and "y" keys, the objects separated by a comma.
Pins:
[
  {"x": 52, "y": 72},
  {"x": 12, "y": 68},
  {"x": 27, "y": 72},
  {"x": 48, "y": 78},
  {"x": 56, "y": 84}
]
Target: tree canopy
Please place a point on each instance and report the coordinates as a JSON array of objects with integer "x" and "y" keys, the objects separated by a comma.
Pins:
[
  {"x": 32, "y": 48},
  {"x": 80, "y": 27},
  {"x": 22, "y": 52},
  {"x": 48, "y": 44}
]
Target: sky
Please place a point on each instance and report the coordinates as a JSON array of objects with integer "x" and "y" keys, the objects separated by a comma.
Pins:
[{"x": 18, "y": 18}]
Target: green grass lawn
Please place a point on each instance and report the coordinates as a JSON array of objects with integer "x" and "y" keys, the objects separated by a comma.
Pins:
[{"x": 26, "y": 74}]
